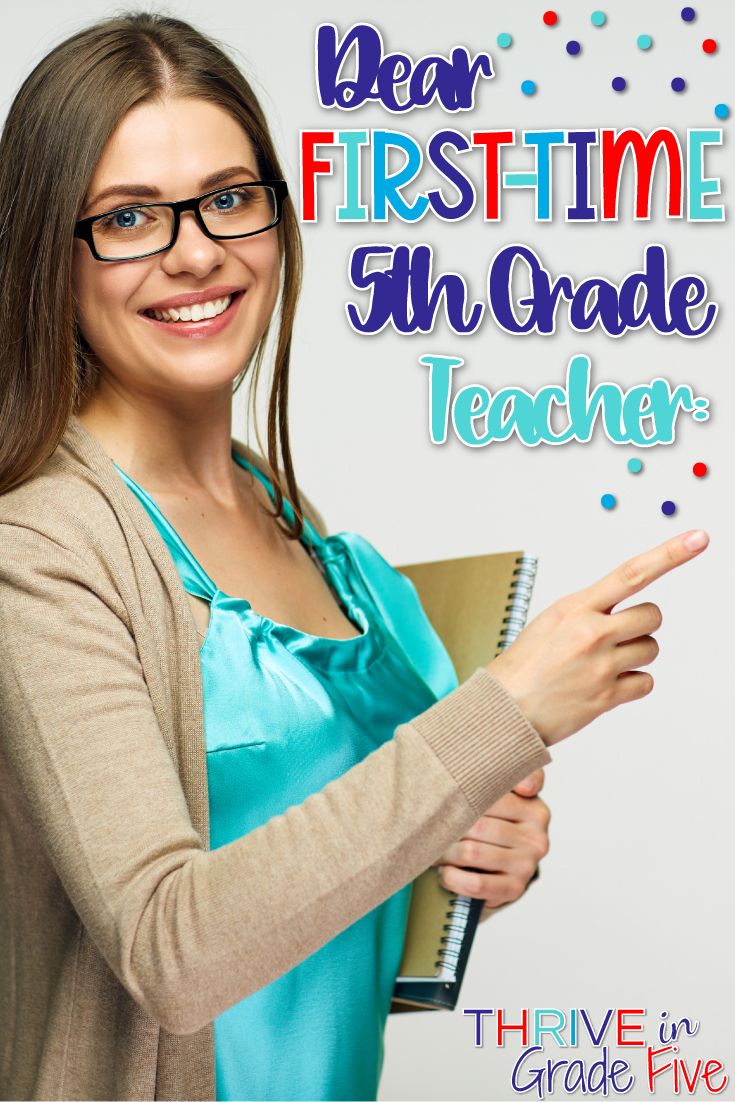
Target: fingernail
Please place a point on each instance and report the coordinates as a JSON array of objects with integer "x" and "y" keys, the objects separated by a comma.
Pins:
[{"x": 693, "y": 541}]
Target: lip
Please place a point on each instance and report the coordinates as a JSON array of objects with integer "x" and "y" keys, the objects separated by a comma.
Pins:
[
  {"x": 196, "y": 330},
  {"x": 192, "y": 297}
]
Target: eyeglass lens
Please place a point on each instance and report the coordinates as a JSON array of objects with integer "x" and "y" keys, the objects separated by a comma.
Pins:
[{"x": 136, "y": 231}]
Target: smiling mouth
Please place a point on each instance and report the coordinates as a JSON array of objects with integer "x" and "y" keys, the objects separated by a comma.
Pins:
[{"x": 200, "y": 311}]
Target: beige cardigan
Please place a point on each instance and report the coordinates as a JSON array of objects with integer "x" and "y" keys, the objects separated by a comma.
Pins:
[{"x": 122, "y": 936}]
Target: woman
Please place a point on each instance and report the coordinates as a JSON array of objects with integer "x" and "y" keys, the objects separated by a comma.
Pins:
[{"x": 212, "y": 814}]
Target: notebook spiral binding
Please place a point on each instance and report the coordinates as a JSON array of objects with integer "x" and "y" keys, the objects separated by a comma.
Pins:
[
  {"x": 460, "y": 906},
  {"x": 458, "y": 915},
  {"x": 520, "y": 597}
]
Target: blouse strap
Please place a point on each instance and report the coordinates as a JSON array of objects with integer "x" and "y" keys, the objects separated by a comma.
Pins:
[
  {"x": 311, "y": 533},
  {"x": 193, "y": 575}
]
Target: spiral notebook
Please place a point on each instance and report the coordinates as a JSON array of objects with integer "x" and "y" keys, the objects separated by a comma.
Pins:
[{"x": 478, "y": 605}]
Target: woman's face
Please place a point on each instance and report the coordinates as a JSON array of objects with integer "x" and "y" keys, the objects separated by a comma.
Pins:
[{"x": 173, "y": 147}]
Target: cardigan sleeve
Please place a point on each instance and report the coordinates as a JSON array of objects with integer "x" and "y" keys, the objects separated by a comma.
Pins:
[{"x": 188, "y": 931}]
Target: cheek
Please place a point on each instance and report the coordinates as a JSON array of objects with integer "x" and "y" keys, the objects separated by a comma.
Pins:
[
  {"x": 99, "y": 292},
  {"x": 264, "y": 262}
]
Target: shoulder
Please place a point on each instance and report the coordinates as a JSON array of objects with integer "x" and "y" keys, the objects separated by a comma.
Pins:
[
  {"x": 67, "y": 501},
  {"x": 68, "y": 531}
]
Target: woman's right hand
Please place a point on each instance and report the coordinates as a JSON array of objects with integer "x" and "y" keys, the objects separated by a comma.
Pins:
[{"x": 578, "y": 659}]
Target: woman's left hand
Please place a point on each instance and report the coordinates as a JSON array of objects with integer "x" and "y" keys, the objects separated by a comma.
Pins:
[{"x": 504, "y": 846}]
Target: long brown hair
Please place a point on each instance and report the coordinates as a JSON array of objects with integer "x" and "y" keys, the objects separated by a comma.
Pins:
[{"x": 55, "y": 132}]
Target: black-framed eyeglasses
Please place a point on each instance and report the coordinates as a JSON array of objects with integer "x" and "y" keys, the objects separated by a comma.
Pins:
[{"x": 144, "y": 229}]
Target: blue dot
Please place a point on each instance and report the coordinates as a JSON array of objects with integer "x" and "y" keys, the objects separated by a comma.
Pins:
[
  {"x": 528, "y": 88},
  {"x": 619, "y": 84},
  {"x": 573, "y": 47},
  {"x": 688, "y": 14},
  {"x": 668, "y": 508},
  {"x": 608, "y": 501},
  {"x": 645, "y": 41},
  {"x": 722, "y": 111},
  {"x": 678, "y": 84},
  {"x": 504, "y": 40},
  {"x": 635, "y": 466},
  {"x": 598, "y": 19}
]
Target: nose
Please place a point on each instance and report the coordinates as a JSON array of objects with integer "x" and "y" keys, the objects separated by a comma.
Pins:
[{"x": 192, "y": 251}]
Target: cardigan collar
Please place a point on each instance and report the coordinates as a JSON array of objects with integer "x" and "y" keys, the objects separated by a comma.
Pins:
[
  {"x": 185, "y": 737},
  {"x": 169, "y": 659},
  {"x": 168, "y": 647},
  {"x": 178, "y": 700}
]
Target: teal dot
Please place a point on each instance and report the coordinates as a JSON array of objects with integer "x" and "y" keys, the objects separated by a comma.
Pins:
[
  {"x": 722, "y": 111},
  {"x": 504, "y": 41},
  {"x": 598, "y": 19},
  {"x": 608, "y": 501},
  {"x": 635, "y": 466},
  {"x": 528, "y": 88},
  {"x": 645, "y": 41}
]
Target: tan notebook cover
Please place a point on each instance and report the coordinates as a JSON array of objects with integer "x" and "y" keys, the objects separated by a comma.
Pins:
[
  {"x": 477, "y": 604},
  {"x": 467, "y": 600}
]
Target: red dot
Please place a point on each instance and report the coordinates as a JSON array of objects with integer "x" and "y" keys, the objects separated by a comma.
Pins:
[
  {"x": 709, "y": 45},
  {"x": 550, "y": 18},
  {"x": 700, "y": 469}
]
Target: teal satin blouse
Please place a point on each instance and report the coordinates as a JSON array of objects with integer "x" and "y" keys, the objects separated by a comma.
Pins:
[{"x": 285, "y": 713}]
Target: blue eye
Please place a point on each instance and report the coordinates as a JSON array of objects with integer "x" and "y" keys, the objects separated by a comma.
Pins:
[
  {"x": 123, "y": 218},
  {"x": 225, "y": 200}
]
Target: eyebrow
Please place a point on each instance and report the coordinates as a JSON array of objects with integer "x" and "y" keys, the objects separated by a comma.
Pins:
[{"x": 145, "y": 191}]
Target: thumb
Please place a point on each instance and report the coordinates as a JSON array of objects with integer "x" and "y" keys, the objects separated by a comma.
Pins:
[{"x": 531, "y": 785}]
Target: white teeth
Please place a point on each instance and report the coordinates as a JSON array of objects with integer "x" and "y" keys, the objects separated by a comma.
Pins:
[{"x": 196, "y": 312}]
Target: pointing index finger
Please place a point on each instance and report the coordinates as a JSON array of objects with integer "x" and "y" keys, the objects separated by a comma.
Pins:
[{"x": 636, "y": 573}]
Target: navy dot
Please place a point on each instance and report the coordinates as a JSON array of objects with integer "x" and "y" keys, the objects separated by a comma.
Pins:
[
  {"x": 688, "y": 14},
  {"x": 619, "y": 84},
  {"x": 573, "y": 47},
  {"x": 668, "y": 508},
  {"x": 678, "y": 84}
]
